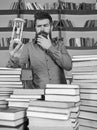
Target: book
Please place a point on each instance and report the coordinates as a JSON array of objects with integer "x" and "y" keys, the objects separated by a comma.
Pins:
[
  {"x": 64, "y": 86},
  {"x": 12, "y": 113},
  {"x": 10, "y": 83},
  {"x": 11, "y": 71},
  {"x": 88, "y": 90},
  {"x": 10, "y": 78},
  {"x": 75, "y": 81},
  {"x": 18, "y": 104},
  {"x": 4, "y": 89},
  {"x": 89, "y": 102},
  {"x": 3, "y": 105},
  {"x": 35, "y": 121},
  {"x": 3, "y": 102},
  {"x": 49, "y": 110},
  {"x": 13, "y": 123},
  {"x": 53, "y": 104},
  {"x": 85, "y": 63},
  {"x": 88, "y": 115},
  {"x": 62, "y": 98},
  {"x": 20, "y": 127},
  {"x": 88, "y": 96},
  {"x": 47, "y": 115},
  {"x": 3, "y": 97},
  {"x": 25, "y": 96},
  {"x": 11, "y": 86},
  {"x": 88, "y": 108},
  {"x": 18, "y": 99},
  {"x": 88, "y": 122},
  {"x": 83, "y": 57},
  {"x": 28, "y": 91},
  {"x": 86, "y": 85},
  {"x": 5, "y": 92},
  {"x": 63, "y": 91},
  {"x": 82, "y": 127},
  {"x": 84, "y": 69},
  {"x": 51, "y": 128},
  {"x": 84, "y": 76}
]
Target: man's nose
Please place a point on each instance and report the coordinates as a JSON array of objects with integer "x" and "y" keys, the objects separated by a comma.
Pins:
[{"x": 42, "y": 28}]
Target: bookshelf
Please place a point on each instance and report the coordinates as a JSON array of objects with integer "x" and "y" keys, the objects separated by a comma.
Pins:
[
  {"x": 77, "y": 17},
  {"x": 67, "y": 32}
]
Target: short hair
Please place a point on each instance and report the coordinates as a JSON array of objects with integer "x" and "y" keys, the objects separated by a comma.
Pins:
[{"x": 42, "y": 15}]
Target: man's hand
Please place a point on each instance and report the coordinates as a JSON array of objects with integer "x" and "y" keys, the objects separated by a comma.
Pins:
[
  {"x": 45, "y": 43},
  {"x": 16, "y": 52}
]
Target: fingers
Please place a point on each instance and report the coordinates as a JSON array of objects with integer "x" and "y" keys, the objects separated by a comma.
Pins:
[
  {"x": 13, "y": 50},
  {"x": 12, "y": 43}
]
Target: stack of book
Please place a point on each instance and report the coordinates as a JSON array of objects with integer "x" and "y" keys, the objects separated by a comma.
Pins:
[
  {"x": 13, "y": 118},
  {"x": 61, "y": 112},
  {"x": 84, "y": 73},
  {"x": 9, "y": 80},
  {"x": 22, "y": 97}
]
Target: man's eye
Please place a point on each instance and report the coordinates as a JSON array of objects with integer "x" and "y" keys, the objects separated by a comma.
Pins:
[
  {"x": 46, "y": 25},
  {"x": 38, "y": 26}
]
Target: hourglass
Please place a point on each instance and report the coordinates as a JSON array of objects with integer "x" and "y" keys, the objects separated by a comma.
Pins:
[{"x": 17, "y": 31}]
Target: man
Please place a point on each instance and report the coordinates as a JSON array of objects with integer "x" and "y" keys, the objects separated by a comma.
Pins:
[{"x": 48, "y": 58}]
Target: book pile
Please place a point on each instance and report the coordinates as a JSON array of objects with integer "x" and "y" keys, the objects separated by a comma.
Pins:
[
  {"x": 13, "y": 118},
  {"x": 22, "y": 97},
  {"x": 59, "y": 110},
  {"x": 84, "y": 73},
  {"x": 9, "y": 80}
]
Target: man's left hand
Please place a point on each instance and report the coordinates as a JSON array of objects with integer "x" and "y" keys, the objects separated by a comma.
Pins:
[{"x": 45, "y": 43}]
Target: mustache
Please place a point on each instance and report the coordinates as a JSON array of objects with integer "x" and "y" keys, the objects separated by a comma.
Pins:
[{"x": 44, "y": 34}]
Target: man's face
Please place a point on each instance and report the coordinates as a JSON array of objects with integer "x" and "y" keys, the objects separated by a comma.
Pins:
[{"x": 43, "y": 26}]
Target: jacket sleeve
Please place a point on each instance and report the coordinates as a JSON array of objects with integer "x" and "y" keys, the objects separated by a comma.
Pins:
[
  {"x": 61, "y": 57},
  {"x": 19, "y": 62}
]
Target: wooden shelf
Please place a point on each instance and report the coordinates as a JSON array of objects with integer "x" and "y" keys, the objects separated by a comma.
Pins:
[
  {"x": 81, "y": 48},
  {"x": 67, "y": 47},
  {"x": 79, "y": 29},
  {"x": 70, "y": 12},
  {"x": 33, "y": 30},
  {"x": 4, "y": 48},
  {"x": 34, "y": 11},
  {"x": 9, "y": 12},
  {"x": 5, "y": 29},
  {"x": 79, "y": 12}
]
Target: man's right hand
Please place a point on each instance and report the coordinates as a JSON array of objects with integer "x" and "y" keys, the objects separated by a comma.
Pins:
[{"x": 15, "y": 52}]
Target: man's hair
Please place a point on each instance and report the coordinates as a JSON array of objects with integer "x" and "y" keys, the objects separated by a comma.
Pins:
[{"x": 42, "y": 15}]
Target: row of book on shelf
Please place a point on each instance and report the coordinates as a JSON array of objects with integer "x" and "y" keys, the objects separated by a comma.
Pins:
[
  {"x": 5, "y": 41},
  {"x": 56, "y": 24},
  {"x": 73, "y": 42},
  {"x": 25, "y": 5},
  {"x": 82, "y": 42},
  {"x": 84, "y": 74},
  {"x": 63, "y": 23}
]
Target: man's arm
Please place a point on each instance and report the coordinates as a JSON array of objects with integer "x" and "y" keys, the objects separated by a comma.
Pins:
[
  {"x": 61, "y": 57},
  {"x": 58, "y": 52},
  {"x": 19, "y": 58}
]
